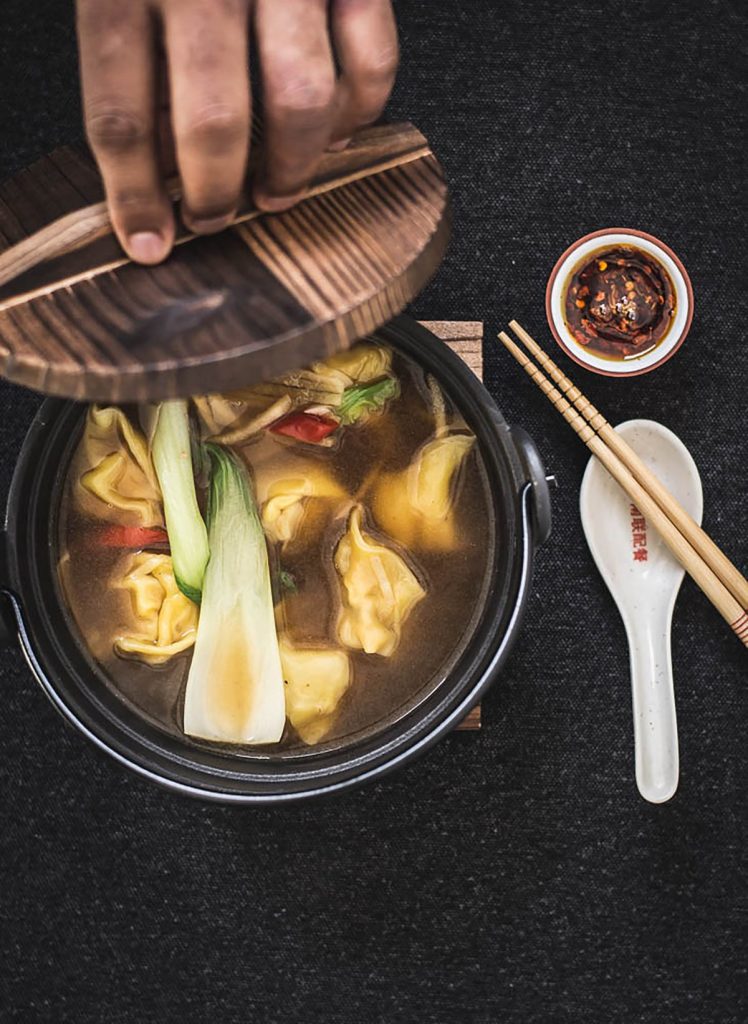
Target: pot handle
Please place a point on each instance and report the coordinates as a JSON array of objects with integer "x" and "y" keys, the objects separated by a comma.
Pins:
[
  {"x": 8, "y": 621},
  {"x": 536, "y": 476}
]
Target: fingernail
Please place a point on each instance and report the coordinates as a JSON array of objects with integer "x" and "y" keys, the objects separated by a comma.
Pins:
[
  {"x": 276, "y": 204},
  {"x": 147, "y": 247},
  {"x": 339, "y": 146},
  {"x": 210, "y": 225}
]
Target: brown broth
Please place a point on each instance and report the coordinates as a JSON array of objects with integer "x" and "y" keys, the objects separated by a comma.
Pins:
[{"x": 433, "y": 635}]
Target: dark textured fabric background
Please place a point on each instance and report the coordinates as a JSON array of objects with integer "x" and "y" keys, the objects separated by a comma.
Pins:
[{"x": 515, "y": 875}]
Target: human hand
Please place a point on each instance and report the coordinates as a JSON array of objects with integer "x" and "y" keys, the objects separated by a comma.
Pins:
[{"x": 166, "y": 85}]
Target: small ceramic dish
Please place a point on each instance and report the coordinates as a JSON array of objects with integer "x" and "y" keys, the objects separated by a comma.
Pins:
[{"x": 569, "y": 263}]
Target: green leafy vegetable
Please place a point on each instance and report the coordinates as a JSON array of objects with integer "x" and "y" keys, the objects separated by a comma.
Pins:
[
  {"x": 282, "y": 583},
  {"x": 288, "y": 582},
  {"x": 361, "y": 399},
  {"x": 172, "y": 458},
  {"x": 324, "y": 383},
  {"x": 235, "y": 690}
]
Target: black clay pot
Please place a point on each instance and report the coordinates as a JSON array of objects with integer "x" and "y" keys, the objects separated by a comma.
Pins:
[{"x": 34, "y": 613}]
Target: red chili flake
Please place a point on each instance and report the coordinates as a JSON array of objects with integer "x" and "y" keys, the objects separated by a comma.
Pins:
[{"x": 634, "y": 300}]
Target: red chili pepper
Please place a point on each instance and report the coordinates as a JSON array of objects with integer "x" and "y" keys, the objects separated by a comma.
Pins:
[
  {"x": 133, "y": 537},
  {"x": 306, "y": 426}
]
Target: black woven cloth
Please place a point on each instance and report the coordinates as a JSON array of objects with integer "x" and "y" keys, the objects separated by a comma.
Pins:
[{"x": 509, "y": 876}]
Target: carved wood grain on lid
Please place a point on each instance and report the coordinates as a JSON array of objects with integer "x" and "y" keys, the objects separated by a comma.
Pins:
[{"x": 272, "y": 292}]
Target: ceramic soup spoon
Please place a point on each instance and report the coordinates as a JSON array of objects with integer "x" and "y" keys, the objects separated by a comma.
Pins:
[{"x": 644, "y": 579}]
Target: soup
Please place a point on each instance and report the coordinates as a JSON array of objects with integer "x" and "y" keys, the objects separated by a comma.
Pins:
[{"x": 284, "y": 566}]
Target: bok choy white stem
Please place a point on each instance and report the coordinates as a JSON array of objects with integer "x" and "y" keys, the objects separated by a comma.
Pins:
[
  {"x": 172, "y": 458},
  {"x": 235, "y": 690}
]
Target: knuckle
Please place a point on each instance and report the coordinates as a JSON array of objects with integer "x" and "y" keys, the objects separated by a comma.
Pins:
[
  {"x": 114, "y": 129},
  {"x": 230, "y": 8},
  {"x": 382, "y": 65},
  {"x": 210, "y": 10},
  {"x": 373, "y": 84},
  {"x": 219, "y": 127},
  {"x": 100, "y": 17},
  {"x": 293, "y": 93},
  {"x": 206, "y": 57}
]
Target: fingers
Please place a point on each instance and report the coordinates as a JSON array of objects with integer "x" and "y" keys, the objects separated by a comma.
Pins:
[
  {"x": 167, "y": 156},
  {"x": 298, "y": 75},
  {"x": 365, "y": 37},
  {"x": 118, "y": 80},
  {"x": 206, "y": 43},
  {"x": 207, "y": 46}
]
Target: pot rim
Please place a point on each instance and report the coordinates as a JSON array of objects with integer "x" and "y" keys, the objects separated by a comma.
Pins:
[
  {"x": 54, "y": 659},
  {"x": 378, "y": 770}
]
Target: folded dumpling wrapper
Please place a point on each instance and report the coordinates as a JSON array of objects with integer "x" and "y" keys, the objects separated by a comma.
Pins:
[
  {"x": 233, "y": 422},
  {"x": 323, "y": 383},
  {"x": 316, "y": 681},
  {"x": 416, "y": 506},
  {"x": 284, "y": 509},
  {"x": 166, "y": 620},
  {"x": 379, "y": 591},
  {"x": 217, "y": 412},
  {"x": 118, "y": 469},
  {"x": 359, "y": 364}
]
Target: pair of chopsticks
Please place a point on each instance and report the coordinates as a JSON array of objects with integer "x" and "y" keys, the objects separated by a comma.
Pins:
[{"x": 707, "y": 565}]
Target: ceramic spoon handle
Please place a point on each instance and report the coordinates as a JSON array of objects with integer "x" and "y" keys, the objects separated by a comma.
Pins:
[{"x": 655, "y": 725}]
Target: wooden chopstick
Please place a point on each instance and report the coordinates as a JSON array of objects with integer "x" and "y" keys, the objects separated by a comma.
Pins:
[
  {"x": 732, "y": 578},
  {"x": 695, "y": 565}
]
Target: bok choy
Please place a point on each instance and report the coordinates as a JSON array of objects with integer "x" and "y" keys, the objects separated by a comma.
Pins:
[
  {"x": 361, "y": 399},
  {"x": 172, "y": 458},
  {"x": 235, "y": 689}
]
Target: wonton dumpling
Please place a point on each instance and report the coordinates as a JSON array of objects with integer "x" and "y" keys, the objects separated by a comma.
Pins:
[
  {"x": 379, "y": 591},
  {"x": 316, "y": 680},
  {"x": 284, "y": 509},
  {"x": 415, "y": 506},
  {"x": 329, "y": 379},
  {"x": 360, "y": 364},
  {"x": 228, "y": 420},
  {"x": 323, "y": 383},
  {"x": 119, "y": 470},
  {"x": 217, "y": 412},
  {"x": 166, "y": 619}
]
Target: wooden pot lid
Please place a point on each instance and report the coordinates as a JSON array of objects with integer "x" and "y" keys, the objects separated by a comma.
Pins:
[{"x": 271, "y": 293}]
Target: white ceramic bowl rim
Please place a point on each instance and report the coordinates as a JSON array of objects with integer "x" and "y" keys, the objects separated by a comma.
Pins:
[{"x": 683, "y": 302}]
